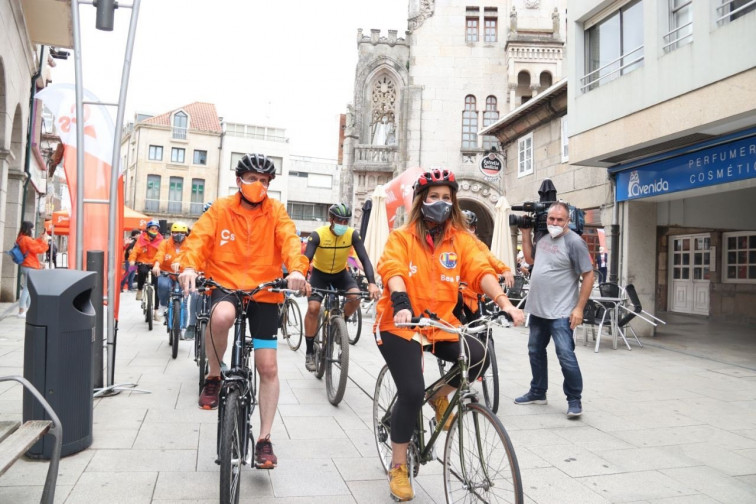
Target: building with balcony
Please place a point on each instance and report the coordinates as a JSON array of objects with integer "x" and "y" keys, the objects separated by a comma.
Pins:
[
  {"x": 28, "y": 30},
  {"x": 420, "y": 100},
  {"x": 172, "y": 162},
  {"x": 662, "y": 97},
  {"x": 312, "y": 186}
]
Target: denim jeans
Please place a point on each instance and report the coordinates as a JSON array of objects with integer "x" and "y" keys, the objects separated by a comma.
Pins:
[
  {"x": 541, "y": 331},
  {"x": 165, "y": 285}
]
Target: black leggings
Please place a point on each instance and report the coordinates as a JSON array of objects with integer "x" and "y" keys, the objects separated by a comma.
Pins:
[
  {"x": 142, "y": 270},
  {"x": 405, "y": 361}
]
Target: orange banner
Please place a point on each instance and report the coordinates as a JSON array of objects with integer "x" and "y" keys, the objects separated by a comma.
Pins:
[{"x": 399, "y": 192}]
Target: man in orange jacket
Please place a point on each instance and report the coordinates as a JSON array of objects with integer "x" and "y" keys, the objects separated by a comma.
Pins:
[
  {"x": 241, "y": 242},
  {"x": 167, "y": 253},
  {"x": 143, "y": 254}
]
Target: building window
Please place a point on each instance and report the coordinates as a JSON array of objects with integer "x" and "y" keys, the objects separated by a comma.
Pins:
[
  {"x": 565, "y": 140},
  {"x": 525, "y": 155},
  {"x": 490, "y": 24},
  {"x": 200, "y": 157},
  {"x": 614, "y": 46},
  {"x": 319, "y": 180},
  {"x": 175, "y": 194},
  {"x": 470, "y": 124},
  {"x": 276, "y": 195},
  {"x": 180, "y": 123},
  {"x": 152, "y": 198},
  {"x": 739, "y": 257},
  {"x": 680, "y": 24},
  {"x": 177, "y": 155},
  {"x": 198, "y": 196},
  {"x": 471, "y": 24},
  {"x": 307, "y": 211},
  {"x": 235, "y": 157},
  {"x": 156, "y": 153},
  {"x": 490, "y": 116},
  {"x": 730, "y": 10}
]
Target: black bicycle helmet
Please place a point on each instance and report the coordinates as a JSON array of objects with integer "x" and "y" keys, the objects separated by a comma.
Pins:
[
  {"x": 436, "y": 177},
  {"x": 258, "y": 163},
  {"x": 340, "y": 211},
  {"x": 472, "y": 219}
]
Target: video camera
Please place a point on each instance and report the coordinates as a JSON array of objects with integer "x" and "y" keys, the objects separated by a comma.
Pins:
[{"x": 539, "y": 211}]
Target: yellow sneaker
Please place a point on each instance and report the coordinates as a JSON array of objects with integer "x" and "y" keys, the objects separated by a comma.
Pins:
[
  {"x": 440, "y": 405},
  {"x": 399, "y": 483}
]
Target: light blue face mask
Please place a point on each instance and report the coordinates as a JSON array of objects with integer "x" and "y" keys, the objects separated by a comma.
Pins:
[{"x": 340, "y": 229}]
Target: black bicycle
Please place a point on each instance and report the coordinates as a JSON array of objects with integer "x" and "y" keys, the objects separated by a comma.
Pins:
[
  {"x": 290, "y": 321},
  {"x": 148, "y": 295},
  {"x": 332, "y": 345},
  {"x": 203, "y": 319},
  {"x": 238, "y": 394},
  {"x": 479, "y": 459},
  {"x": 175, "y": 313}
]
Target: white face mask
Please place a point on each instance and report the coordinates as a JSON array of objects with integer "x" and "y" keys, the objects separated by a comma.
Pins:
[{"x": 555, "y": 231}]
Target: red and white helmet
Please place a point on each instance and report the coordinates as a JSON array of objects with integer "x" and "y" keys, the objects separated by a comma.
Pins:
[{"x": 435, "y": 177}]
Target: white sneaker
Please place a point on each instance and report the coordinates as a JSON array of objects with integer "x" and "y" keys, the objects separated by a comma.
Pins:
[
  {"x": 21, "y": 315},
  {"x": 157, "y": 317}
]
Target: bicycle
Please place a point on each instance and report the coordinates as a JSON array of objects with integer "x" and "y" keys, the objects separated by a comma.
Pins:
[
  {"x": 148, "y": 296},
  {"x": 238, "y": 394},
  {"x": 479, "y": 459},
  {"x": 332, "y": 345},
  {"x": 290, "y": 321},
  {"x": 203, "y": 319},
  {"x": 176, "y": 312}
]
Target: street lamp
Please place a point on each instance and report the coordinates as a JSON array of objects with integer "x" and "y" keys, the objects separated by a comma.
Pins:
[{"x": 105, "y": 14}]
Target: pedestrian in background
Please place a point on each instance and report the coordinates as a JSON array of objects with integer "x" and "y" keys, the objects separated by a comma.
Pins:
[
  {"x": 30, "y": 247},
  {"x": 129, "y": 270},
  {"x": 601, "y": 259}
]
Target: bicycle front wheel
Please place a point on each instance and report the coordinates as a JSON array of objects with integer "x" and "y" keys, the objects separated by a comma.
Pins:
[
  {"x": 320, "y": 347},
  {"x": 354, "y": 326},
  {"x": 199, "y": 348},
  {"x": 175, "y": 327},
  {"x": 479, "y": 460},
  {"x": 230, "y": 452},
  {"x": 490, "y": 380},
  {"x": 293, "y": 328},
  {"x": 148, "y": 304},
  {"x": 383, "y": 401},
  {"x": 337, "y": 360}
]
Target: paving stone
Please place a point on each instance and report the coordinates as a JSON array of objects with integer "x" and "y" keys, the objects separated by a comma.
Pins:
[
  {"x": 143, "y": 460},
  {"x": 631, "y": 487},
  {"x": 114, "y": 488},
  {"x": 311, "y": 477}
]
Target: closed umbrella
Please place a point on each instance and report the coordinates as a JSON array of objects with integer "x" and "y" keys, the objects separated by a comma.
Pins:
[
  {"x": 501, "y": 243},
  {"x": 377, "y": 228}
]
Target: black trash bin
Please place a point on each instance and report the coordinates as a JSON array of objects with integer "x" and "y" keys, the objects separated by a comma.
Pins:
[{"x": 58, "y": 355}]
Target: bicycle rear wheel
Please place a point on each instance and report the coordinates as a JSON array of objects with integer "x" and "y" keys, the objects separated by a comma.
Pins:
[
  {"x": 230, "y": 451},
  {"x": 175, "y": 327},
  {"x": 293, "y": 328},
  {"x": 337, "y": 360},
  {"x": 383, "y": 401},
  {"x": 490, "y": 380},
  {"x": 479, "y": 459},
  {"x": 320, "y": 350},
  {"x": 354, "y": 326},
  {"x": 148, "y": 304},
  {"x": 199, "y": 349}
]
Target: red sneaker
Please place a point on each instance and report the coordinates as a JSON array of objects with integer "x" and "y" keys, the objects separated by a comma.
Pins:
[
  {"x": 208, "y": 399},
  {"x": 264, "y": 456}
]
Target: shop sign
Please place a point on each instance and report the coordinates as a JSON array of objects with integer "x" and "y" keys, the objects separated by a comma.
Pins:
[
  {"x": 491, "y": 165},
  {"x": 716, "y": 165}
]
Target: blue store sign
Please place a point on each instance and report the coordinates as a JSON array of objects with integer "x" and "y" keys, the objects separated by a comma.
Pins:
[{"x": 701, "y": 167}]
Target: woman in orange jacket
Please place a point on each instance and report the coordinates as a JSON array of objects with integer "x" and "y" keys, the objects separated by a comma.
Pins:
[
  {"x": 143, "y": 253},
  {"x": 422, "y": 266},
  {"x": 30, "y": 248}
]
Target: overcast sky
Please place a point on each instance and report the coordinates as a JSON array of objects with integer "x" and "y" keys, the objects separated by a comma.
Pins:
[{"x": 282, "y": 63}]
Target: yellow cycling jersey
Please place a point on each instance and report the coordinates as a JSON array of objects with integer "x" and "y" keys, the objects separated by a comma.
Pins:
[{"x": 333, "y": 251}]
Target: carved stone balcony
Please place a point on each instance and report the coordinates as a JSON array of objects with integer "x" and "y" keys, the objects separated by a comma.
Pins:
[{"x": 381, "y": 158}]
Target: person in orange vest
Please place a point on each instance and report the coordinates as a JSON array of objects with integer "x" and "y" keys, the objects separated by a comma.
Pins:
[
  {"x": 30, "y": 247},
  {"x": 143, "y": 255},
  {"x": 422, "y": 266},
  {"x": 167, "y": 253},
  {"x": 241, "y": 242}
]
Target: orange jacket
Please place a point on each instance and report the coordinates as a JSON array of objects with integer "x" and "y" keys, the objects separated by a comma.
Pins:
[
  {"x": 432, "y": 277},
  {"x": 470, "y": 296},
  {"x": 31, "y": 247},
  {"x": 167, "y": 253},
  {"x": 241, "y": 248},
  {"x": 145, "y": 250}
]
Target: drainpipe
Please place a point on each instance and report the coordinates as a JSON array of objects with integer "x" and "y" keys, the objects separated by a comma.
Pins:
[{"x": 614, "y": 234}]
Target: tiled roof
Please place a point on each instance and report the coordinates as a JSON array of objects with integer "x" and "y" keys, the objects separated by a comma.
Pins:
[{"x": 202, "y": 117}]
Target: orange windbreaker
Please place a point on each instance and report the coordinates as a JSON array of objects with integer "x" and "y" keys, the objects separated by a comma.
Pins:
[
  {"x": 241, "y": 248},
  {"x": 432, "y": 277},
  {"x": 167, "y": 253},
  {"x": 145, "y": 250},
  {"x": 31, "y": 247},
  {"x": 470, "y": 296}
]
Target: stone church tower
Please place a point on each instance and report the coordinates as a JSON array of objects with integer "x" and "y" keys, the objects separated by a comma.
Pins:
[{"x": 420, "y": 100}]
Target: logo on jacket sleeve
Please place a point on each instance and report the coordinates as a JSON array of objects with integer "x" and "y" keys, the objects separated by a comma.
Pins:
[{"x": 448, "y": 259}]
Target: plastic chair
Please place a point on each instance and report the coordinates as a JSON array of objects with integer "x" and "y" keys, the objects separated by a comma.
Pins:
[
  {"x": 592, "y": 312},
  {"x": 518, "y": 293},
  {"x": 630, "y": 313}
]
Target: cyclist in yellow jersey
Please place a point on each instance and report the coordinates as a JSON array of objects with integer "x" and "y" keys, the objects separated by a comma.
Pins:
[{"x": 328, "y": 248}]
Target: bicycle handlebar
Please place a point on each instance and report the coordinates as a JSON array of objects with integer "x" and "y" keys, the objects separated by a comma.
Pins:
[
  {"x": 278, "y": 283},
  {"x": 473, "y": 327}
]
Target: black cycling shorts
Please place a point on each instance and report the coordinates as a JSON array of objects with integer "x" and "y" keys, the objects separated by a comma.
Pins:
[
  {"x": 342, "y": 280},
  {"x": 262, "y": 319}
]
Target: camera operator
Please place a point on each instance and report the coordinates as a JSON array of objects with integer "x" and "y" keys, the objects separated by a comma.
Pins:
[{"x": 555, "y": 305}]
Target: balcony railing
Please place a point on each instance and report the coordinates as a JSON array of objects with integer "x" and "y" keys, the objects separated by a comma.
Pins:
[
  {"x": 375, "y": 154},
  {"x": 179, "y": 133},
  {"x": 619, "y": 66},
  {"x": 153, "y": 207}
]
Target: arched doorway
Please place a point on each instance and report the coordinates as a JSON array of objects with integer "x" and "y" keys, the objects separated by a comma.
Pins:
[{"x": 485, "y": 219}]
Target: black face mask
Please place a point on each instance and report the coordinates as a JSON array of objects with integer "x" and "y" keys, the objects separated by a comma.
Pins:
[
  {"x": 438, "y": 211},
  {"x": 179, "y": 237}
]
